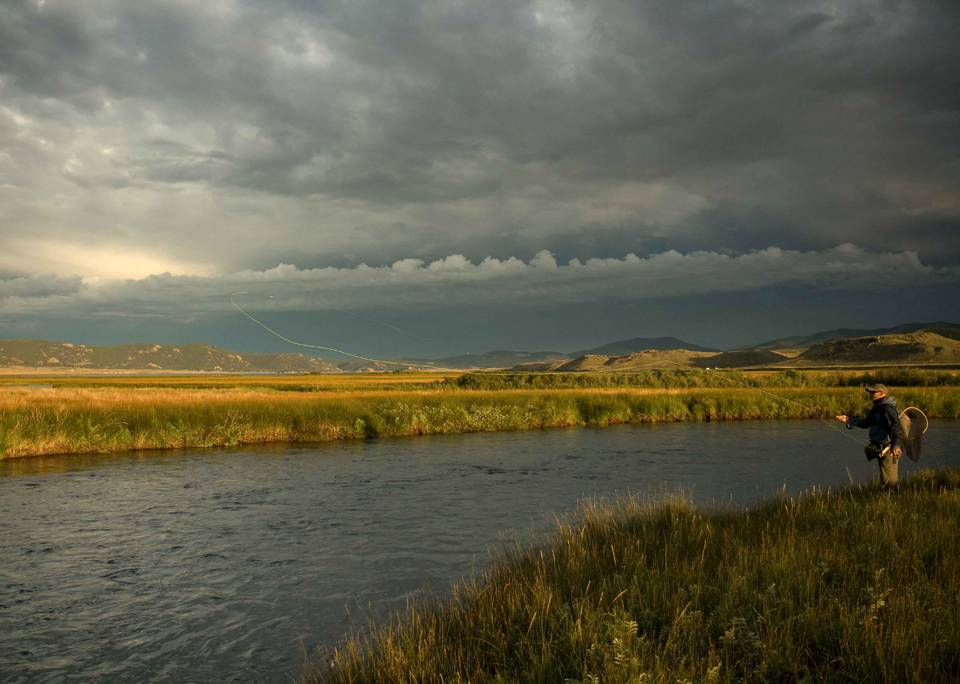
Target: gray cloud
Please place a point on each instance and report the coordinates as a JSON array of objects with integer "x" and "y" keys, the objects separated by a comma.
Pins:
[
  {"x": 214, "y": 138},
  {"x": 456, "y": 282},
  {"x": 453, "y": 304},
  {"x": 38, "y": 287}
]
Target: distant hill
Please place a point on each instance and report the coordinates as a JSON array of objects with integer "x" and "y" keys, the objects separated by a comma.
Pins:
[
  {"x": 951, "y": 330},
  {"x": 639, "y": 344},
  {"x": 915, "y": 343},
  {"x": 902, "y": 349},
  {"x": 155, "y": 357},
  {"x": 917, "y": 348},
  {"x": 386, "y": 366},
  {"x": 741, "y": 358},
  {"x": 501, "y": 358},
  {"x": 645, "y": 360},
  {"x": 540, "y": 366}
]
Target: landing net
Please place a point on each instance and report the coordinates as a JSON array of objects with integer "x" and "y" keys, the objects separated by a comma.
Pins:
[{"x": 915, "y": 424}]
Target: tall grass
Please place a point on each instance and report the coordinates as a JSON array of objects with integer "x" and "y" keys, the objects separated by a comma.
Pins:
[
  {"x": 35, "y": 422},
  {"x": 858, "y": 585},
  {"x": 693, "y": 377},
  {"x": 337, "y": 382}
]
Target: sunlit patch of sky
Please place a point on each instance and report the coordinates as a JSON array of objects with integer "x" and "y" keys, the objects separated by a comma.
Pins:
[{"x": 206, "y": 140}]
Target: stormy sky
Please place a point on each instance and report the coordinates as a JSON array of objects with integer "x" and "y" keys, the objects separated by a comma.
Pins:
[{"x": 433, "y": 177}]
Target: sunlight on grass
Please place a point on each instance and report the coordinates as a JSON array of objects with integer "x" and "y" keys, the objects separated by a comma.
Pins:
[
  {"x": 76, "y": 419},
  {"x": 857, "y": 585}
]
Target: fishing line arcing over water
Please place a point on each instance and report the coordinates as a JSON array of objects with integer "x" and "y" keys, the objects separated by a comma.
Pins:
[{"x": 324, "y": 348}]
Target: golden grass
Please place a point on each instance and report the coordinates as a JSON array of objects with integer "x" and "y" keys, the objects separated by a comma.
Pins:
[
  {"x": 859, "y": 585},
  {"x": 138, "y": 377},
  {"x": 74, "y": 417},
  {"x": 13, "y": 398}
]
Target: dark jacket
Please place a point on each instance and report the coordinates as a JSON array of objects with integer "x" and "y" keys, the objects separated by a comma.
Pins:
[{"x": 883, "y": 421}]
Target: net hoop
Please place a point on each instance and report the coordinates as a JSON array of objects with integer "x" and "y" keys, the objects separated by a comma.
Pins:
[
  {"x": 910, "y": 420},
  {"x": 926, "y": 421}
]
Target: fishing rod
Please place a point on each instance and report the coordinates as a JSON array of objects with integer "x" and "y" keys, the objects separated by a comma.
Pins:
[
  {"x": 911, "y": 445},
  {"x": 813, "y": 409},
  {"x": 324, "y": 348},
  {"x": 909, "y": 411}
]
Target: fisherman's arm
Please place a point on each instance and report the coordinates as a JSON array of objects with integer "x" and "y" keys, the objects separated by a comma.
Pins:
[{"x": 855, "y": 421}]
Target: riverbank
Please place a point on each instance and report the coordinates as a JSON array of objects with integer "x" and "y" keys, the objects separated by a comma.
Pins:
[
  {"x": 856, "y": 585},
  {"x": 68, "y": 419}
]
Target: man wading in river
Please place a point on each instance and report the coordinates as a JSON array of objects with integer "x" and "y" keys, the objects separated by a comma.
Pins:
[{"x": 886, "y": 433}]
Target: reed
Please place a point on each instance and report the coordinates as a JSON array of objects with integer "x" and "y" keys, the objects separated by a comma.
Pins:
[
  {"x": 855, "y": 585},
  {"x": 693, "y": 377},
  {"x": 109, "y": 419}
]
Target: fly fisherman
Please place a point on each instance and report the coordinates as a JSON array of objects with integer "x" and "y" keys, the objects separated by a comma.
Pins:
[{"x": 886, "y": 433}]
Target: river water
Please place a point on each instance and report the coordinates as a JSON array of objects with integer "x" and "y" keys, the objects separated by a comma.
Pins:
[{"x": 224, "y": 565}]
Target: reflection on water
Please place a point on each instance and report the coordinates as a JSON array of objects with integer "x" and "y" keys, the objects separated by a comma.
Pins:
[
  {"x": 217, "y": 565},
  {"x": 48, "y": 465}
]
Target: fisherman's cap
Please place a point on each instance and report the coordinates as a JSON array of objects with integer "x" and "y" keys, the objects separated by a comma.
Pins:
[{"x": 876, "y": 388}]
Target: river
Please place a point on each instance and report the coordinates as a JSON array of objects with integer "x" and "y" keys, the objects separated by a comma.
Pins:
[{"x": 225, "y": 564}]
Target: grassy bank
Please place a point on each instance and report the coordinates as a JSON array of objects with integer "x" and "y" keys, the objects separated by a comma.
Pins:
[
  {"x": 685, "y": 377},
  {"x": 90, "y": 419},
  {"x": 859, "y": 585}
]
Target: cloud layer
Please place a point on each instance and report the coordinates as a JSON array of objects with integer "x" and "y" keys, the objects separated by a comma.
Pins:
[
  {"x": 456, "y": 282},
  {"x": 157, "y": 156},
  {"x": 226, "y": 135}
]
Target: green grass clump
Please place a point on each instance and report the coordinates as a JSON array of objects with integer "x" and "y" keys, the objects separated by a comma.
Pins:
[
  {"x": 857, "y": 585},
  {"x": 66, "y": 421},
  {"x": 703, "y": 378}
]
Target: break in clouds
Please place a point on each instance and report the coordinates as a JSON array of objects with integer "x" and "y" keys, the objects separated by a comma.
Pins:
[
  {"x": 457, "y": 282},
  {"x": 279, "y": 145}
]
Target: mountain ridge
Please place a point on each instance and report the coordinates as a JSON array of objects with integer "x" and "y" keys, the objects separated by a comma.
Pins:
[
  {"x": 640, "y": 344},
  {"x": 499, "y": 358},
  {"x": 153, "y": 357},
  {"x": 914, "y": 345},
  {"x": 841, "y": 333}
]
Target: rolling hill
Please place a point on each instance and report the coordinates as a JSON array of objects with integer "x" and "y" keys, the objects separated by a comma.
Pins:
[
  {"x": 639, "y": 344},
  {"x": 152, "y": 357},
  {"x": 951, "y": 330},
  {"x": 501, "y": 358},
  {"x": 741, "y": 358},
  {"x": 916, "y": 348},
  {"x": 644, "y": 360},
  {"x": 912, "y": 344}
]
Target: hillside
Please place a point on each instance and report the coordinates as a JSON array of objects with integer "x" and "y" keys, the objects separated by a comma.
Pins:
[
  {"x": 741, "y": 359},
  {"x": 639, "y": 344},
  {"x": 951, "y": 330},
  {"x": 909, "y": 349},
  {"x": 903, "y": 349},
  {"x": 154, "y": 357},
  {"x": 501, "y": 358},
  {"x": 938, "y": 345},
  {"x": 644, "y": 360}
]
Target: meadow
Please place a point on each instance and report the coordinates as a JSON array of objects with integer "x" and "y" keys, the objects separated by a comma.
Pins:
[
  {"x": 68, "y": 414},
  {"x": 855, "y": 585}
]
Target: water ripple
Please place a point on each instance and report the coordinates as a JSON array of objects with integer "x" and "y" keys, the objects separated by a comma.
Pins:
[{"x": 224, "y": 565}]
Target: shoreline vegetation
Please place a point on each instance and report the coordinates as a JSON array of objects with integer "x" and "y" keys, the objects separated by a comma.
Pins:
[
  {"x": 859, "y": 584},
  {"x": 76, "y": 415}
]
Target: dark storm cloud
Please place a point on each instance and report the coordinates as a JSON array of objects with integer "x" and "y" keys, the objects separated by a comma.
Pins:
[
  {"x": 209, "y": 138},
  {"x": 456, "y": 282},
  {"x": 41, "y": 286}
]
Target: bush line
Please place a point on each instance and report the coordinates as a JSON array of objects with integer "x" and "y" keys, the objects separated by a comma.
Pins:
[{"x": 81, "y": 421}]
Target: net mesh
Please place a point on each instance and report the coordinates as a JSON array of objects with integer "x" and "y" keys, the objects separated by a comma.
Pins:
[{"x": 915, "y": 424}]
